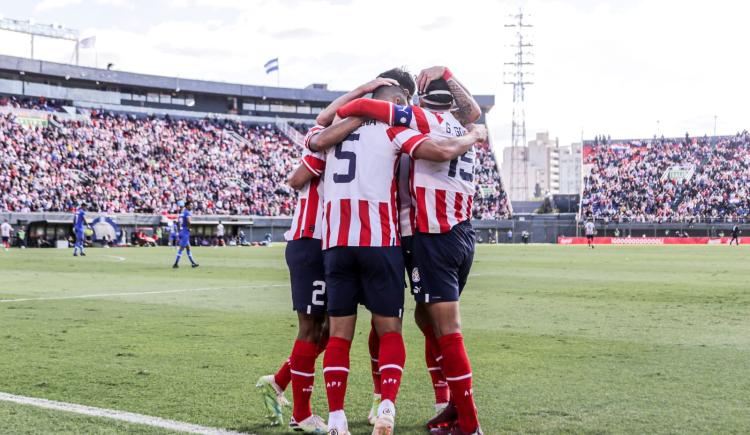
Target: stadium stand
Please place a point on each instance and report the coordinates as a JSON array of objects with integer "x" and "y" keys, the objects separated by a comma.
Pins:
[
  {"x": 121, "y": 163},
  {"x": 667, "y": 180}
]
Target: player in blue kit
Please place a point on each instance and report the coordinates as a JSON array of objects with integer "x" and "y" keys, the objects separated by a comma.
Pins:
[
  {"x": 184, "y": 224},
  {"x": 79, "y": 224}
]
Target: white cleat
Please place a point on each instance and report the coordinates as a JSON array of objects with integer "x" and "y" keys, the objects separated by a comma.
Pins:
[
  {"x": 337, "y": 423},
  {"x": 312, "y": 424},
  {"x": 386, "y": 419}
]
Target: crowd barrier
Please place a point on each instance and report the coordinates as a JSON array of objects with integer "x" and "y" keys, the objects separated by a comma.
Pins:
[{"x": 651, "y": 240}]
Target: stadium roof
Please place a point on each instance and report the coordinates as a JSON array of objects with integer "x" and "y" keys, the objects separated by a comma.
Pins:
[{"x": 41, "y": 68}]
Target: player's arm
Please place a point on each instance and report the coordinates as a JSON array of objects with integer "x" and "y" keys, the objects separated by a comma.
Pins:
[
  {"x": 300, "y": 177},
  {"x": 325, "y": 117},
  {"x": 334, "y": 134},
  {"x": 448, "y": 148},
  {"x": 468, "y": 108}
]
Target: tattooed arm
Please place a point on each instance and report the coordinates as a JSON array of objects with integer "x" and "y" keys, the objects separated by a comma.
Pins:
[{"x": 468, "y": 109}]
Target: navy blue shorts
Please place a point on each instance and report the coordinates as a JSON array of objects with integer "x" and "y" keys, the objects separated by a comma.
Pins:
[
  {"x": 304, "y": 257},
  {"x": 372, "y": 276},
  {"x": 444, "y": 262},
  {"x": 412, "y": 272}
]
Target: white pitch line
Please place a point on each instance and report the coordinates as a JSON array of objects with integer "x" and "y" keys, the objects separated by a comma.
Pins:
[
  {"x": 156, "y": 292},
  {"x": 114, "y": 414},
  {"x": 116, "y": 257}
]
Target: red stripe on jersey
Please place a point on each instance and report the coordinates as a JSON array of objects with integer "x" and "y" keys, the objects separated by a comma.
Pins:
[
  {"x": 440, "y": 209},
  {"x": 437, "y": 115},
  {"x": 314, "y": 164},
  {"x": 298, "y": 229},
  {"x": 328, "y": 225},
  {"x": 364, "y": 223},
  {"x": 412, "y": 209},
  {"x": 422, "y": 125},
  {"x": 412, "y": 143},
  {"x": 458, "y": 206},
  {"x": 394, "y": 131},
  {"x": 394, "y": 199},
  {"x": 469, "y": 206},
  {"x": 422, "y": 210},
  {"x": 312, "y": 212},
  {"x": 344, "y": 222},
  {"x": 385, "y": 224}
]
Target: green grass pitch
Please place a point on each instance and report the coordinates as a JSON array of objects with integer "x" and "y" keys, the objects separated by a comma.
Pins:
[{"x": 562, "y": 339}]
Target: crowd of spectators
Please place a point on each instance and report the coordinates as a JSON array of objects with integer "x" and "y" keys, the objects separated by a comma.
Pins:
[
  {"x": 121, "y": 163},
  {"x": 490, "y": 201},
  {"x": 668, "y": 180},
  {"x": 40, "y": 103}
]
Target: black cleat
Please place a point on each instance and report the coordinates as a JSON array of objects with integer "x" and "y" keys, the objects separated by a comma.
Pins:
[
  {"x": 83, "y": 254},
  {"x": 75, "y": 254},
  {"x": 445, "y": 419},
  {"x": 194, "y": 265},
  {"x": 175, "y": 266}
]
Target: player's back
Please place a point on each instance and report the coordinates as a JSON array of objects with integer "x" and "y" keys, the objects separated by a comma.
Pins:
[
  {"x": 443, "y": 192},
  {"x": 185, "y": 221},
  {"x": 360, "y": 189}
]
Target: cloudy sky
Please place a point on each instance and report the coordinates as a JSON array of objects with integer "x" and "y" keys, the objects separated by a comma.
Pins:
[{"x": 624, "y": 68}]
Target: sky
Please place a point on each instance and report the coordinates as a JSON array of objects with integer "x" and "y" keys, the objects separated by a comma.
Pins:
[{"x": 629, "y": 69}]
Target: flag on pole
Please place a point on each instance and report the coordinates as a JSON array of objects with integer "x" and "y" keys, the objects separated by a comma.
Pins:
[
  {"x": 272, "y": 65},
  {"x": 89, "y": 42}
]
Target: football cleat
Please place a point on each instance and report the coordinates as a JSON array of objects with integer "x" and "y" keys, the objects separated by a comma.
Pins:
[
  {"x": 445, "y": 418},
  {"x": 386, "y": 419},
  {"x": 273, "y": 399},
  {"x": 455, "y": 430},
  {"x": 338, "y": 432},
  {"x": 373, "y": 415},
  {"x": 312, "y": 424},
  {"x": 175, "y": 266},
  {"x": 194, "y": 265}
]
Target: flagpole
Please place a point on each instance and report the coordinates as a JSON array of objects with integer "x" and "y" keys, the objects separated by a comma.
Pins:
[{"x": 278, "y": 77}]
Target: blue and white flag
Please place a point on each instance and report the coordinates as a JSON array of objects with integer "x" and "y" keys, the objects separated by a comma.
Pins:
[{"x": 272, "y": 65}]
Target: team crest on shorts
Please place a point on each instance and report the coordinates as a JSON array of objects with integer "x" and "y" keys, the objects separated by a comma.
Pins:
[{"x": 415, "y": 274}]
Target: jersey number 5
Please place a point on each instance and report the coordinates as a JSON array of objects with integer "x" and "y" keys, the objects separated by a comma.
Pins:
[{"x": 346, "y": 155}]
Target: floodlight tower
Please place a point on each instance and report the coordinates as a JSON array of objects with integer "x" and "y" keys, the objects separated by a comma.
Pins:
[
  {"x": 29, "y": 27},
  {"x": 517, "y": 75}
]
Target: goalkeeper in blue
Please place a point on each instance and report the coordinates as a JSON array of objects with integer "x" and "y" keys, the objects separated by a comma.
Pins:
[
  {"x": 184, "y": 224},
  {"x": 79, "y": 226}
]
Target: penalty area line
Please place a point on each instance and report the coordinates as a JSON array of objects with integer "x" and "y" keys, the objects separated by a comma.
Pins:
[
  {"x": 114, "y": 414},
  {"x": 155, "y": 292}
]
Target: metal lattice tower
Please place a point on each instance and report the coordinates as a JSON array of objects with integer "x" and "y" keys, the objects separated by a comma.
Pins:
[{"x": 517, "y": 75}]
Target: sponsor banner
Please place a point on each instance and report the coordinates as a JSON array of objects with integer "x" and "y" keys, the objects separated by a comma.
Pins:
[{"x": 651, "y": 240}]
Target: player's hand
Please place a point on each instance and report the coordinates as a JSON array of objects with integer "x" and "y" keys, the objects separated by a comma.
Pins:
[
  {"x": 426, "y": 76},
  {"x": 479, "y": 131},
  {"x": 376, "y": 83}
]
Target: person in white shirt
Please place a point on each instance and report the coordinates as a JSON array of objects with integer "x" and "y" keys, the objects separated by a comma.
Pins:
[
  {"x": 590, "y": 230},
  {"x": 220, "y": 234},
  {"x": 5, "y": 230}
]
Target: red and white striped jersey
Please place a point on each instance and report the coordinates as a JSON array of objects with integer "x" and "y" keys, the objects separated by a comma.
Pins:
[
  {"x": 405, "y": 205},
  {"x": 361, "y": 186},
  {"x": 443, "y": 193},
  {"x": 308, "y": 214}
]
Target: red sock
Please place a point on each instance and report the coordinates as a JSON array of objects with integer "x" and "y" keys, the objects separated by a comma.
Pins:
[
  {"x": 302, "y": 367},
  {"x": 373, "y": 342},
  {"x": 283, "y": 376},
  {"x": 431, "y": 356},
  {"x": 392, "y": 359},
  {"x": 458, "y": 373},
  {"x": 336, "y": 371}
]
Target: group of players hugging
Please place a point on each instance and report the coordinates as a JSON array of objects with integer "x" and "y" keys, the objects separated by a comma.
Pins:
[{"x": 384, "y": 187}]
